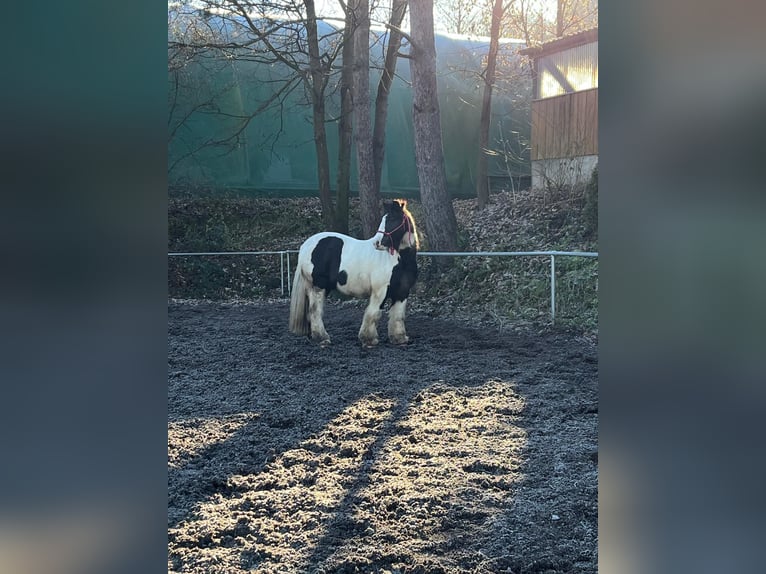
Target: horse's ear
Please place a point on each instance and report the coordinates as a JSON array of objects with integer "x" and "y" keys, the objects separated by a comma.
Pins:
[
  {"x": 398, "y": 205},
  {"x": 387, "y": 206}
]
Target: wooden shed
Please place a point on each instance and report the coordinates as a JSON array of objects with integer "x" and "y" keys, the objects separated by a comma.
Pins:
[{"x": 564, "y": 136}]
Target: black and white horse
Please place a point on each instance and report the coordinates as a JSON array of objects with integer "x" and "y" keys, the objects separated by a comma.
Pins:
[{"x": 383, "y": 267}]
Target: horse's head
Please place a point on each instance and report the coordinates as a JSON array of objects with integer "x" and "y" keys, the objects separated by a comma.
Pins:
[{"x": 397, "y": 228}]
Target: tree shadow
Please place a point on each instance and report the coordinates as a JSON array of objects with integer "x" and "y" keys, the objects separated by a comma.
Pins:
[
  {"x": 277, "y": 401},
  {"x": 288, "y": 390},
  {"x": 229, "y": 362}
]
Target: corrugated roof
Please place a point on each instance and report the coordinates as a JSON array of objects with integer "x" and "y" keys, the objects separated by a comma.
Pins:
[{"x": 559, "y": 44}]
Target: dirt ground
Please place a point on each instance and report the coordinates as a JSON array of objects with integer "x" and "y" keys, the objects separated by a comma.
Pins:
[{"x": 471, "y": 449}]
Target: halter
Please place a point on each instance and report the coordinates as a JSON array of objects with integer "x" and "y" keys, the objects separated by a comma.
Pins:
[{"x": 405, "y": 224}]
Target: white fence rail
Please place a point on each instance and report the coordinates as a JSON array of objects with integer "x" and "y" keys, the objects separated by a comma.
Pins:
[{"x": 284, "y": 262}]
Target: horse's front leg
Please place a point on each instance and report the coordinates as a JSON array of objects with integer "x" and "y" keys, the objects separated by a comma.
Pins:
[
  {"x": 397, "y": 334},
  {"x": 368, "y": 334},
  {"x": 316, "y": 310}
]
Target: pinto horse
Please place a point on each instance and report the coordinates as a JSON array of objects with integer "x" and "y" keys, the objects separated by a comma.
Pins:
[{"x": 381, "y": 268}]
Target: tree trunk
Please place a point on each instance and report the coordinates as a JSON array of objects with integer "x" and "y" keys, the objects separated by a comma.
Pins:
[
  {"x": 369, "y": 198},
  {"x": 345, "y": 125},
  {"x": 398, "y": 8},
  {"x": 560, "y": 5},
  {"x": 317, "y": 104},
  {"x": 429, "y": 154},
  {"x": 482, "y": 185}
]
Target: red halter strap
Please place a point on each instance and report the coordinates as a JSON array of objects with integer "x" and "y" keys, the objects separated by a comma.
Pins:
[{"x": 406, "y": 224}]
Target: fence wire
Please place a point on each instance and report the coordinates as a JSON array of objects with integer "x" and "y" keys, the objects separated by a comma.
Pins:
[{"x": 284, "y": 262}]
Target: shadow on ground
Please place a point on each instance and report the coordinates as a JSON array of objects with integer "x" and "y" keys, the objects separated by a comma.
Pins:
[{"x": 469, "y": 450}]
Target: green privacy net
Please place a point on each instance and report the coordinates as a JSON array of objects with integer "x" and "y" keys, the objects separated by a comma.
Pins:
[{"x": 228, "y": 131}]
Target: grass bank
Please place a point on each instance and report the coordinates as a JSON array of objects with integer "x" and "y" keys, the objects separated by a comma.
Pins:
[{"x": 502, "y": 290}]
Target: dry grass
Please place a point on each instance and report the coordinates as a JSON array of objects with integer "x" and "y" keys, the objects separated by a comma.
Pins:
[{"x": 505, "y": 291}]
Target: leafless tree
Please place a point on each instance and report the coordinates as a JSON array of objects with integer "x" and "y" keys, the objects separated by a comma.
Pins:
[
  {"x": 369, "y": 197},
  {"x": 282, "y": 32},
  {"x": 345, "y": 122},
  {"x": 573, "y": 16},
  {"x": 398, "y": 10},
  {"x": 462, "y": 16},
  {"x": 439, "y": 214},
  {"x": 482, "y": 185},
  {"x": 370, "y": 139},
  {"x": 192, "y": 63},
  {"x": 524, "y": 19},
  {"x": 317, "y": 85}
]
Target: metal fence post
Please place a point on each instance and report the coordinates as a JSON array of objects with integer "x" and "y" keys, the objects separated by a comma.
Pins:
[
  {"x": 289, "y": 283},
  {"x": 553, "y": 289},
  {"x": 282, "y": 271}
]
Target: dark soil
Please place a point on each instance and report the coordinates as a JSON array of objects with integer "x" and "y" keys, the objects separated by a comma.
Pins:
[{"x": 469, "y": 450}]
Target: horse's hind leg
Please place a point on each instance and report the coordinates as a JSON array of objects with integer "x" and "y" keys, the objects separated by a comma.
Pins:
[
  {"x": 396, "y": 331},
  {"x": 368, "y": 334},
  {"x": 316, "y": 309}
]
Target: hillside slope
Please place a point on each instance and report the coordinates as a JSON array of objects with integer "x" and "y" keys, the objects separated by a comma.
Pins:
[{"x": 502, "y": 290}]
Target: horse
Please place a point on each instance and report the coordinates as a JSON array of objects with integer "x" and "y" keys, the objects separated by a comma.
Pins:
[{"x": 381, "y": 268}]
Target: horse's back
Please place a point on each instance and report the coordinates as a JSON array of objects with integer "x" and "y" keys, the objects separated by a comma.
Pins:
[
  {"x": 349, "y": 265},
  {"x": 308, "y": 246}
]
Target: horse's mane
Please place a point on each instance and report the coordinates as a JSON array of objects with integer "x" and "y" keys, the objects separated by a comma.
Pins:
[{"x": 407, "y": 213}]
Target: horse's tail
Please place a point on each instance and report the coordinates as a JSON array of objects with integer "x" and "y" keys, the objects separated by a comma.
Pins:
[{"x": 299, "y": 303}]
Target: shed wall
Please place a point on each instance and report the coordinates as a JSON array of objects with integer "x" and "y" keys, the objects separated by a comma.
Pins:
[{"x": 565, "y": 126}]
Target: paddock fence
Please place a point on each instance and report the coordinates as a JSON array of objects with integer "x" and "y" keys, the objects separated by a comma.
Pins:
[{"x": 285, "y": 265}]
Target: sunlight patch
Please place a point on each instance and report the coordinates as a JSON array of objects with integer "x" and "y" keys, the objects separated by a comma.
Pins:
[
  {"x": 277, "y": 516},
  {"x": 453, "y": 459}
]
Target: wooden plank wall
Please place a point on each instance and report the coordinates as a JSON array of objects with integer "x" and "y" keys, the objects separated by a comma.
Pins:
[{"x": 565, "y": 126}]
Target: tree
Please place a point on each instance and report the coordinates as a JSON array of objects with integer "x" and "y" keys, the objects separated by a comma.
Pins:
[
  {"x": 203, "y": 80},
  {"x": 398, "y": 9},
  {"x": 317, "y": 86},
  {"x": 369, "y": 196},
  {"x": 526, "y": 19},
  {"x": 439, "y": 214},
  {"x": 461, "y": 16},
  {"x": 574, "y": 16},
  {"x": 482, "y": 185},
  {"x": 282, "y": 33},
  {"x": 356, "y": 39},
  {"x": 345, "y": 123}
]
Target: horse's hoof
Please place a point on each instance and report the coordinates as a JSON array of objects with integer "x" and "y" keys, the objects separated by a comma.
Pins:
[
  {"x": 400, "y": 342},
  {"x": 369, "y": 344},
  {"x": 322, "y": 341}
]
